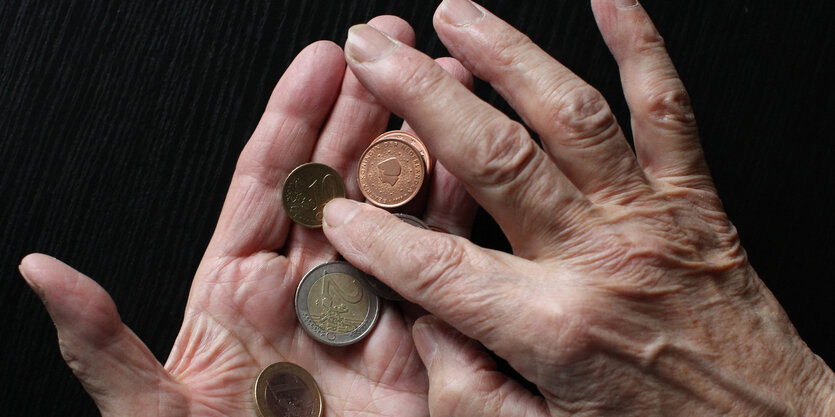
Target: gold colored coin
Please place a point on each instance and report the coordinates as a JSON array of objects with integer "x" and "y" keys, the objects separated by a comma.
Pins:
[
  {"x": 284, "y": 389},
  {"x": 306, "y": 191}
]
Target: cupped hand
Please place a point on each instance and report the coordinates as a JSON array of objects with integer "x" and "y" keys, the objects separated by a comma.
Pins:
[
  {"x": 627, "y": 292},
  {"x": 240, "y": 315}
]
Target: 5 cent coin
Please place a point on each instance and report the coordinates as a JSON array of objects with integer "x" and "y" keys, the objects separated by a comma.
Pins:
[
  {"x": 306, "y": 191},
  {"x": 334, "y": 304},
  {"x": 284, "y": 389}
]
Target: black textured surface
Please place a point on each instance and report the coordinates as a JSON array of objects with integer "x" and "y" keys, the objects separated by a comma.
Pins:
[{"x": 120, "y": 124}]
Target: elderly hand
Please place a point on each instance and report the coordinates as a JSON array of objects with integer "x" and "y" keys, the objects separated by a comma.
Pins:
[
  {"x": 240, "y": 316},
  {"x": 628, "y": 292}
]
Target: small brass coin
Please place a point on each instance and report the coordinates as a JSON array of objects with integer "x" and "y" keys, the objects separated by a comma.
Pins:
[
  {"x": 306, "y": 191},
  {"x": 390, "y": 173},
  {"x": 335, "y": 305},
  {"x": 383, "y": 290},
  {"x": 284, "y": 389}
]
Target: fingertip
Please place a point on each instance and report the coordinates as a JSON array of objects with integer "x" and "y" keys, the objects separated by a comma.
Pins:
[
  {"x": 74, "y": 301},
  {"x": 424, "y": 336},
  {"x": 40, "y": 270},
  {"x": 28, "y": 270},
  {"x": 395, "y": 27},
  {"x": 339, "y": 212},
  {"x": 323, "y": 47}
]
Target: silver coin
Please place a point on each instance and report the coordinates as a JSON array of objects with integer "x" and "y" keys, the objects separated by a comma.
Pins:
[{"x": 335, "y": 305}]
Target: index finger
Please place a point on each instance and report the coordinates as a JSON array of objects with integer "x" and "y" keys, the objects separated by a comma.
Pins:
[
  {"x": 253, "y": 218},
  {"x": 495, "y": 158}
]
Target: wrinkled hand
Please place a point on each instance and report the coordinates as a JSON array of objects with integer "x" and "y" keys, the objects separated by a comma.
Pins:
[
  {"x": 240, "y": 315},
  {"x": 628, "y": 292}
]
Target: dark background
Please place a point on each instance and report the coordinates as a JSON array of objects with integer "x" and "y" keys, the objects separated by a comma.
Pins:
[{"x": 120, "y": 124}]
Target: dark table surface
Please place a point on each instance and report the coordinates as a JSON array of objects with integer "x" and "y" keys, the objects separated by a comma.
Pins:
[{"x": 120, "y": 125}]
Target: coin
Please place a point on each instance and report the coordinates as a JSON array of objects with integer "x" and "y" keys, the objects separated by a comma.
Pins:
[
  {"x": 383, "y": 290},
  {"x": 334, "y": 304},
  {"x": 306, "y": 191},
  {"x": 390, "y": 173},
  {"x": 286, "y": 389},
  {"x": 412, "y": 140}
]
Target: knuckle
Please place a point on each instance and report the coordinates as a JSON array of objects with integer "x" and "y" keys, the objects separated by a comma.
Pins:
[
  {"x": 670, "y": 106},
  {"x": 582, "y": 115},
  {"x": 443, "y": 264},
  {"x": 648, "y": 41},
  {"x": 422, "y": 79},
  {"x": 573, "y": 339},
  {"x": 508, "y": 49},
  {"x": 73, "y": 360},
  {"x": 507, "y": 152}
]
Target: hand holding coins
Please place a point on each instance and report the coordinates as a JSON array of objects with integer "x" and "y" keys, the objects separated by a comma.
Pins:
[
  {"x": 394, "y": 169},
  {"x": 240, "y": 317},
  {"x": 336, "y": 303}
]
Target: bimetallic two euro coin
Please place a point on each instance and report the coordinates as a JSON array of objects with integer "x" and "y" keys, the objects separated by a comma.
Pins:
[
  {"x": 390, "y": 173},
  {"x": 306, "y": 191},
  {"x": 412, "y": 140},
  {"x": 284, "y": 389},
  {"x": 383, "y": 290},
  {"x": 334, "y": 304}
]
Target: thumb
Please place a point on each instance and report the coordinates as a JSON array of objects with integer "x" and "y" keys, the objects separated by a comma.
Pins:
[
  {"x": 463, "y": 379},
  {"x": 113, "y": 365}
]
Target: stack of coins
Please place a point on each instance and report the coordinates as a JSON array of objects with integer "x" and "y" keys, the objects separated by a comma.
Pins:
[{"x": 393, "y": 170}]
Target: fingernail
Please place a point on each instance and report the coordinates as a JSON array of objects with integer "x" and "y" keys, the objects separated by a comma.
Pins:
[
  {"x": 625, "y": 4},
  {"x": 460, "y": 12},
  {"x": 35, "y": 287},
  {"x": 367, "y": 44},
  {"x": 425, "y": 340},
  {"x": 340, "y": 211}
]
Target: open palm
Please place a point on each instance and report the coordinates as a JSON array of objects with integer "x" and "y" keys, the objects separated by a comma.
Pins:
[{"x": 240, "y": 314}]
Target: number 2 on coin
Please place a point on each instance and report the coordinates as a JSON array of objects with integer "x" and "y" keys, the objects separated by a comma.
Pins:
[{"x": 330, "y": 284}]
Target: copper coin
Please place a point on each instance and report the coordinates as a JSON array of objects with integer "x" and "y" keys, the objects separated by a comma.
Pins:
[
  {"x": 284, "y": 389},
  {"x": 390, "y": 173},
  {"x": 306, "y": 191},
  {"x": 411, "y": 139}
]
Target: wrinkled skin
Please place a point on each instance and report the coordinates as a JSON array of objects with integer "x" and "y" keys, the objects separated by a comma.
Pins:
[
  {"x": 240, "y": 315},
  {"x": 627, "y": 292}
]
